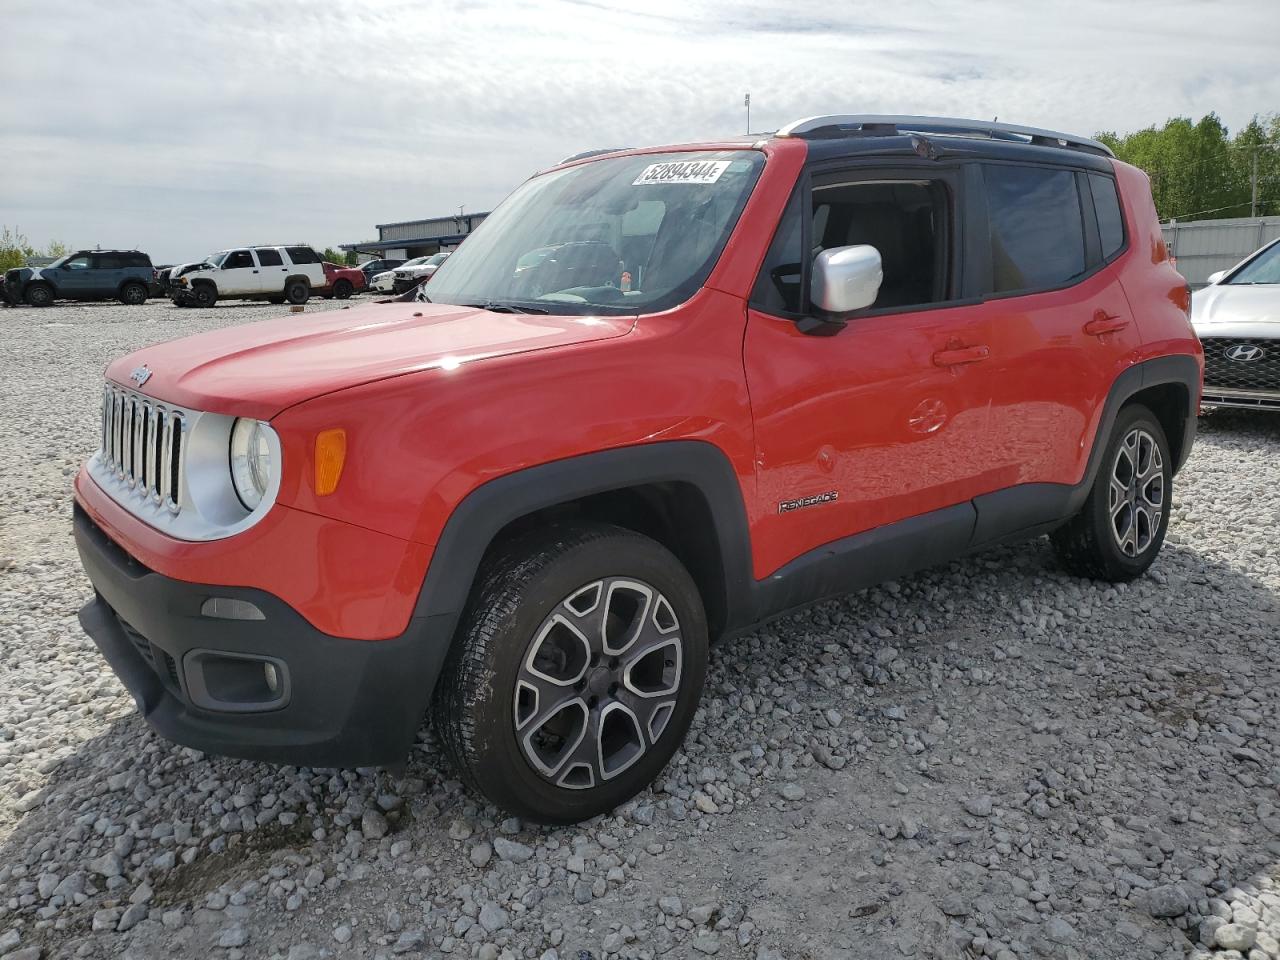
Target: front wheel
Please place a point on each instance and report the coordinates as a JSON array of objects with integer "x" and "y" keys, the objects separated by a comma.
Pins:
[
  {"x": 204, "y": 295},
  {"x": 1119, "y": 530},
  {"x": 39, "y": 295},
  {"x": 575, "y": 674},
  {"x": 343, "y": 289}
]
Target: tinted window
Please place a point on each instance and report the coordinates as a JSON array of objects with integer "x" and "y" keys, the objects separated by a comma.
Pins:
[
  {"x": 778, "y": 287},
  {"x": 137, "y": 260},
  {"x": 268, "y": 257},
  {"x": 108, "y": 261},
  {"x": 1106, "y": 204},
  {"x": 302, "y": 255},
  {"x": 1037, "y": 239},
  {"x": 237, "y": 259}
]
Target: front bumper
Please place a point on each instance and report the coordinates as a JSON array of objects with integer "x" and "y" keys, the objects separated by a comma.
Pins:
[
  {"x": 346, "y": 702},
  {"x": 1240, "y": 399}
]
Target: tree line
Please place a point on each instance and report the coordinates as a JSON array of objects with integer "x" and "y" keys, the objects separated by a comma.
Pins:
[{"x": 1199, "y": 172}]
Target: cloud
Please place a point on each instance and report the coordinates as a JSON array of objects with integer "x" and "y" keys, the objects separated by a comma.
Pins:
[{"x": 182, "y": 129}]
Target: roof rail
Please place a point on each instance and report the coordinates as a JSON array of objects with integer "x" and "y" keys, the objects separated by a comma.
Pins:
[
  {"x": 591, "y": 153},
  {"x": 815, "y": 128}
]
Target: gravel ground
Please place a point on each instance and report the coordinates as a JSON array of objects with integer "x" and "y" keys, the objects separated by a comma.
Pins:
[{"x": 990, "y": 759}]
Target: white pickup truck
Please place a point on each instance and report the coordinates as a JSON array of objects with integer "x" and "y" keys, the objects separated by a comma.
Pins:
[{"x": 276, "y": 274}]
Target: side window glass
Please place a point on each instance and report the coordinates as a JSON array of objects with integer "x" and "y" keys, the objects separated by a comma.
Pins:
[
  {"x": 779, "y": 285},
  {"x": 906, "y": 222},
  {"x": 302, "y": 255},
  {"x": 1037, "y": 235},
  {"x": 268, "y": 257},
  {"x": 108, "y": 261},
  {"x": 1106, "y": 204},
  {"x": 237, "y": 259},
  {"x": 77, "y": 263}
]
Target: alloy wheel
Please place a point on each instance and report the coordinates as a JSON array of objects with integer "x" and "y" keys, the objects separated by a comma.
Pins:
[
  {"x": 598, "y": 683},
  {"x": 1136, "y": 494}
]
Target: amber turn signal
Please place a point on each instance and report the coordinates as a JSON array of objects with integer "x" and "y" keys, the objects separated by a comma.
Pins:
[{"x": 331, "y": 454}]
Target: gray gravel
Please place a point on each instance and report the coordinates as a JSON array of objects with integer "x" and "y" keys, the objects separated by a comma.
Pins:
[{"x": 991, "y": 759}]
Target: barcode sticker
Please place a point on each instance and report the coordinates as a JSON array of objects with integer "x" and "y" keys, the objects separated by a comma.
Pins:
[{"x": 682, "y": 171}]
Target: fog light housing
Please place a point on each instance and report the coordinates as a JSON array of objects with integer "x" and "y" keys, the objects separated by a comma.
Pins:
[{"x": 231, "y": 682}]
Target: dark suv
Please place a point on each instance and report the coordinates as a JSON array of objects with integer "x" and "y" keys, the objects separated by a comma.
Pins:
[{"x": 126, "y": 275}]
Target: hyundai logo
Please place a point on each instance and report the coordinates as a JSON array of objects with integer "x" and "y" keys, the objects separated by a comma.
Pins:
[
  {"x": 141, "y": 375},
  {"x": 1244, "y": 353}
]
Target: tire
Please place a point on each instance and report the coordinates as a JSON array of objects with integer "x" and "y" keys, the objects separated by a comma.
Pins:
[
  {"x": 297, "y": 291},
  {"x": 39, "y": 295},
  {"x": 1118, "y": 532},
  {"x": 133, "y": 294},
  {"x": 204, "y": 295},
  {"x": 563, "y": 765},
  {"x": 342, "y": 290}
]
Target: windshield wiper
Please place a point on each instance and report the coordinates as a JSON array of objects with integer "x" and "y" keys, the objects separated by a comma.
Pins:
[{"x": 499, "y": 306}]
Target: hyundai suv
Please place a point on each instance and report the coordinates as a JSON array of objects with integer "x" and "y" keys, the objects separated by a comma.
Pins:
[
  {"x": 529, "y": 498},
  {"x": 124, "y": 275}
]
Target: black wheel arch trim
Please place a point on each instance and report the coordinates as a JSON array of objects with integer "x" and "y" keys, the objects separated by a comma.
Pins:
[{"x": 487, "y": 510}]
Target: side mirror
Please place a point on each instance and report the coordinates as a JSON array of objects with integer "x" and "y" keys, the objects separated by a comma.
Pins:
[
  {"x": 846, "y": 279},
  {"x": 1215, "y": 277}
]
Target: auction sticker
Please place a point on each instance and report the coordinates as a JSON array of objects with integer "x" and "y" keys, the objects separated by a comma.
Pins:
[{"x": 682, "y": 171}]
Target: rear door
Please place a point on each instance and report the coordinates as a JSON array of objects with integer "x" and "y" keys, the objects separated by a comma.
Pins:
[
  {"x": 885, "y": 419},
  {"x": 272, "y": 270},
  {"x": 239, "y": 276},
  {"x": 308, "y": 263},
  {"x": 1061, "y": 328},
  {"x": 106, "y": 275}
]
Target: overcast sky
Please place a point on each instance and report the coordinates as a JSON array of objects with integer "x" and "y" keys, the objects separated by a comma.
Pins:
[{"x": 183, "y": 128}]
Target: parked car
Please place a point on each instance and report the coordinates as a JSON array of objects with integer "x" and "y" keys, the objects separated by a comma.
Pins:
[
  {"x": 409, "y": 275},
  {"x": 1237, "y": 318},
  {"x": 269, "y": 273},
  {"x": 340, "y": 281},
  {"x": 385, "y": 282},
  {"x": 847, "y": 351},
  {"x": 372, "y": 268},
  {"x": 124, "y": 275}
]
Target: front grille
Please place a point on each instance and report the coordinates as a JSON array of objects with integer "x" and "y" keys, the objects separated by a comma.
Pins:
[
  {"x": 1223, "y": 373},
  {"x": 142, "y": 443},
  {"x": 140, "y": 643}
]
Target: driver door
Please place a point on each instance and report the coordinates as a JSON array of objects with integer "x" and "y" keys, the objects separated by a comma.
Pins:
[
  {"x": 887, "y": 418},
  {"x": 75, "y": 277},
  {"x": 240, "y": 275}
]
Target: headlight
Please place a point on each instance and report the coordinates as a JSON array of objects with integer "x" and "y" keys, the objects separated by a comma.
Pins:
[{"x": 251, "y": 464}]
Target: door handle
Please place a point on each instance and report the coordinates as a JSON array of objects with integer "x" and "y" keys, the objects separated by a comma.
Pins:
[
  {"x": 957, "y": 356},
  {"x": 1104, "y": 323},
  {"x": 255, "y": 271}
]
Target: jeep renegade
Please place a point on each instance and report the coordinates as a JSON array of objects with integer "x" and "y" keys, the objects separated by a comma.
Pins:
[{"x": 527, "y": 499}]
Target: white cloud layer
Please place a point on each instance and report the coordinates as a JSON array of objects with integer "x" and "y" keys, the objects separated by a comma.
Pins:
[{"x": 182, "y": 128}]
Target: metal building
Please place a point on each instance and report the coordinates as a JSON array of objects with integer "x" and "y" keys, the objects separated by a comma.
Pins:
[
  {"x": 417, "y": 238},
  {"x": 1203, "y": 247}
]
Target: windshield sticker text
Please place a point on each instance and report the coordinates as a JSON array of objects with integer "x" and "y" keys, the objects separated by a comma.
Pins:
[{"x": 682, "y": 171}]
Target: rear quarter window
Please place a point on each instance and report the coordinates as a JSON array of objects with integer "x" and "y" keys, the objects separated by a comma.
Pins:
[
  {"x": 302, "y": 255},
  {"x": 269, "y": 258},
  {"x": 1037, "y": 233},
  {"x": 1106, "y": 206}
]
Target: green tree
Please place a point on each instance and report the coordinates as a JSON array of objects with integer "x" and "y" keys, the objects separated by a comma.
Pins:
[
  {"x": 1198, "y": 172},
  {"x": 333, "y": 256},
  {"x": 15, "y": 249},
  {"x": 56, "y": 249}
]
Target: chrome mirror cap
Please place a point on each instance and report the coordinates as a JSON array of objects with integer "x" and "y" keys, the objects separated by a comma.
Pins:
[{"x": 846, "y": 278}]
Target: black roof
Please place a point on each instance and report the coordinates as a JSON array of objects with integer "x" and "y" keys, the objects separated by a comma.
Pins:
[{"x": 897, "y": 145}]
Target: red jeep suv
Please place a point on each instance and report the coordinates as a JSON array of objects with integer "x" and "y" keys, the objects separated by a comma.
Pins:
[{"x": 528, "y": 499}]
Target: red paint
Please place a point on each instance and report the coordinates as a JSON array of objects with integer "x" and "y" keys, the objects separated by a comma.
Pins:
[
  {"x": 901, "y": 414},
  {"x": 333, "y": 273}
]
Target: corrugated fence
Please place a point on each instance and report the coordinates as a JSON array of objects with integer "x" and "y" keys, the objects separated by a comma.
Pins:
[{"x": 1203, "y": 247}]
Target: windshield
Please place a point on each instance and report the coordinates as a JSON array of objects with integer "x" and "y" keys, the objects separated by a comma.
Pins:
[
  {"x": 60, "y": 261},
  {"x": 415, "y": 262},
  {"x": 620, "y": 235},
  {"x": 1264, "y": 269},
  {"x": 437, "y": 259},
  {"x": 215, "y": 259}
]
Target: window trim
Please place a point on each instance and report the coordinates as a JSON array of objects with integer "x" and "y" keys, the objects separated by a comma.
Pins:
[
  {"x": 1093, "y": 206},
  {"x": 983, "y": 250}
]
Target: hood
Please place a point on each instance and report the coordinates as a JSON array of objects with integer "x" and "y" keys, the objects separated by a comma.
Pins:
[
  {"x": 260, "y": 369},
  {"x": 1231, "y": 309}
]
